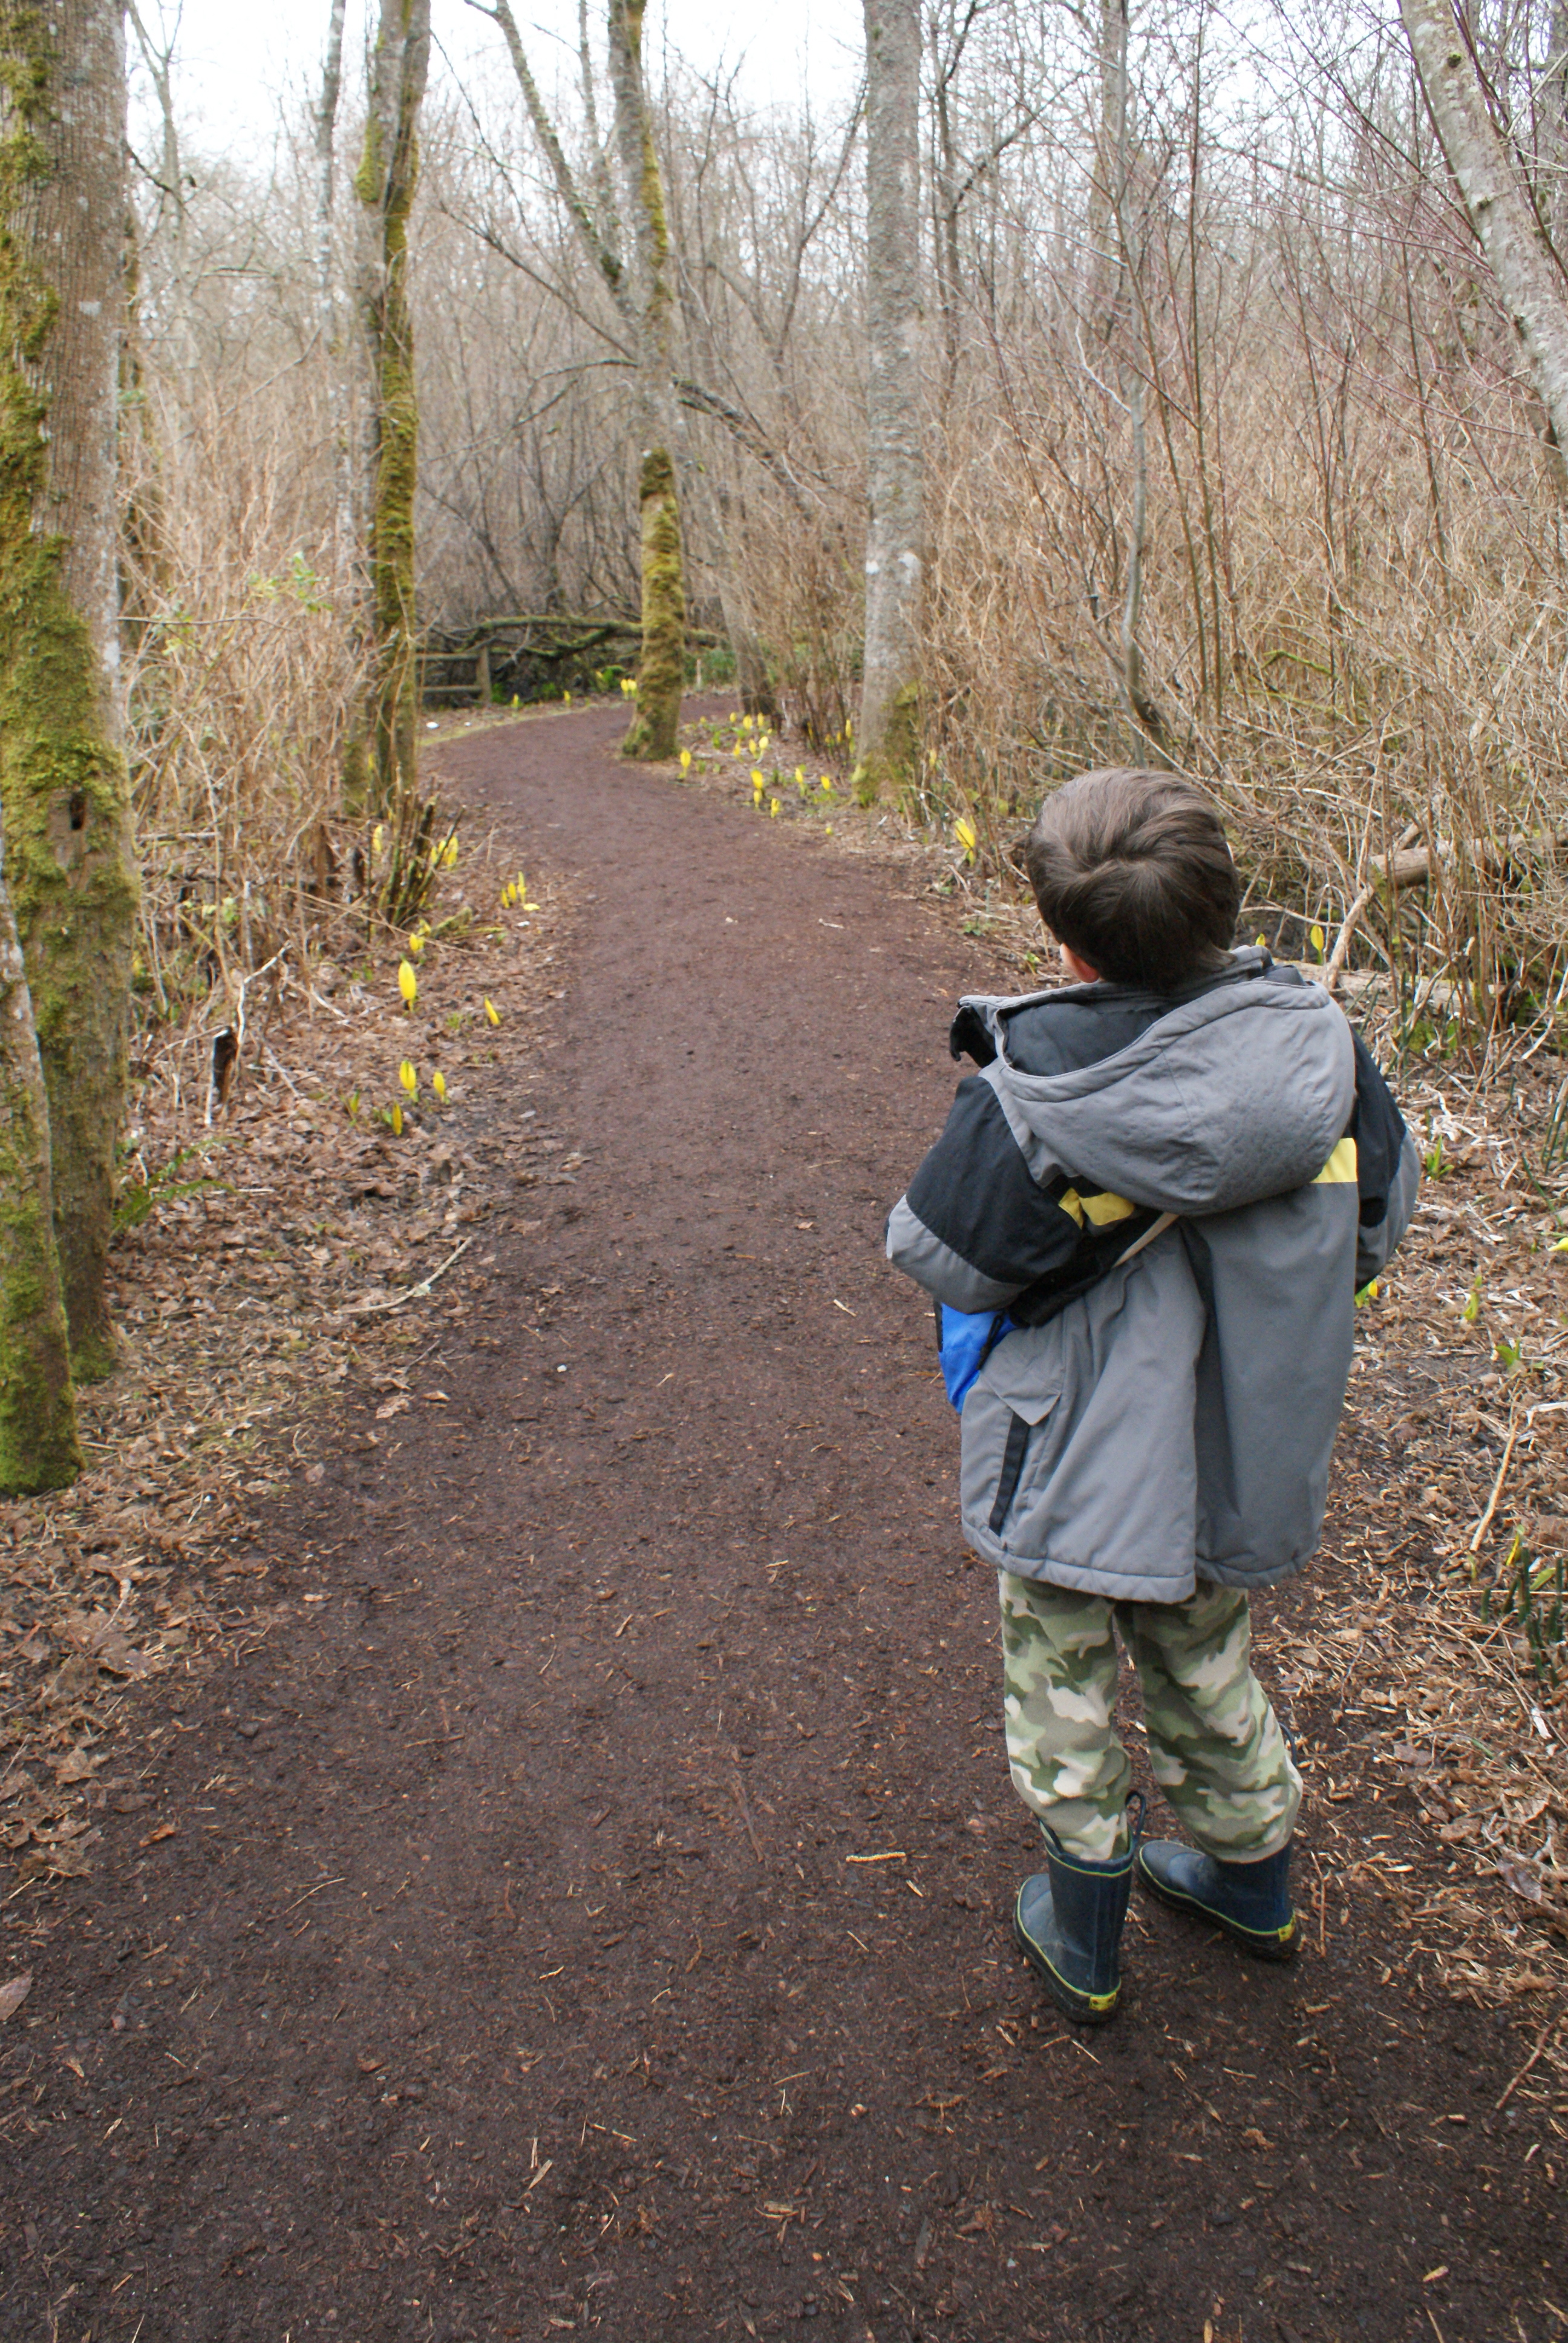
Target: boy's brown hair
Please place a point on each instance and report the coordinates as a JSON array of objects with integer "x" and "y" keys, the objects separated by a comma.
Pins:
[{"x": 1132, "y": 873}]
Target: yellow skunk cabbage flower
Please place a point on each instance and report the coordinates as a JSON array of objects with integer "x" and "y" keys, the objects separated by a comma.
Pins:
[
  {"x": 408, "y": 1078},
  {"x": 438, "y": 1084},
  {"x": 799, "y": 777},
  {"x": 492, "y": 1011},
  {"x": 407, "y": 984},
  {"x": 826, "y": 787},
  {"x": 1318, "y": 941},
  {"x": 378, "y": 838},
  {"x": 773, "y": 808},
  {"x": 448, "y": 858},
  {"x": 685, "y": 761},
  {"x": 397, "y": 1121},
  {"x": 416, "y": 946},
  {"x": 964, "y": 831}
]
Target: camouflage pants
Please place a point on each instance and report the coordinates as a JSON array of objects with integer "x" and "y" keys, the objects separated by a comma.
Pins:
[{"x": 1215, "y": 1746}]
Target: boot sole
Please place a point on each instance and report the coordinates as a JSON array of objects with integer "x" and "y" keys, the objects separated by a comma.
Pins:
[
  {"x": 1272, "y": 1947},
  {"x": 1083, "y": 2008}
]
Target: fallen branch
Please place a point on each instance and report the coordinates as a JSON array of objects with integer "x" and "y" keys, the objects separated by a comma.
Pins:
[
  {"x": 1547, "y": 2030},
  {"x": 396, "y": 1301},
  {"x": 1484, "y": 1524},
  {"x": 1397, "y": 871}
]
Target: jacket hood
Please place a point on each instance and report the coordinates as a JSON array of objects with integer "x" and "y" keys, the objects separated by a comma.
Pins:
[{"x": 1239, "y": 1094}]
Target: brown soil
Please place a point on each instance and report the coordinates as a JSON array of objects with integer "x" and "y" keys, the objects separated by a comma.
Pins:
[{"x": 587, "y": 1907}]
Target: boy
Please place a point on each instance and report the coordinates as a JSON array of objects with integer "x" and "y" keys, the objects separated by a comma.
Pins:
[{"x": 1145, "y": 1225}]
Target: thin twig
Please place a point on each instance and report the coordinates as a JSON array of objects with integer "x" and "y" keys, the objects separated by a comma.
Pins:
[
  {"x": 739, "y": 1788},
  {"x": 1549, "y": 2028},
  {"x": 396, "y": 1301},
  {"x": 1335, "y": 967},
  {"x": 1484, "y": 1524}
]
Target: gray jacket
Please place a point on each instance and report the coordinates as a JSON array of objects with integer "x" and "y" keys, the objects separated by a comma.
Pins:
[{"x": 1174, "y": 1202}]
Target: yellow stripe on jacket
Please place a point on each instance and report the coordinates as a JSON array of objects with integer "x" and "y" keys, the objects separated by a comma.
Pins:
[
  {"x": 1339, "y": 1170},
  {"x": 1099, "y": 1210}
]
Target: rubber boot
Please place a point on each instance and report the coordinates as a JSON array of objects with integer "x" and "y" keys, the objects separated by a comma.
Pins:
[
  {"x": 1249, "y": 1901},
  {"x": 1066, "y": 1924}
]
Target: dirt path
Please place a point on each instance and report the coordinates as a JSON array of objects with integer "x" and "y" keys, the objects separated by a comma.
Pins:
[{"x": 587, "y": 1910}]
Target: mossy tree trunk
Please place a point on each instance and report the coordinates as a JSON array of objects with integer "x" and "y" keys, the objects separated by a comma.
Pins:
[
  {"x": 642, "y": 294},
  {"x": 655, "y": 728},
  {"x": 655, "y": 733},
  {"x": 890, "y": 734},
  {"x": 67, "y": 824},
  {"x": 385, "y": 183},
  {"x": 38, "y": 1444}
]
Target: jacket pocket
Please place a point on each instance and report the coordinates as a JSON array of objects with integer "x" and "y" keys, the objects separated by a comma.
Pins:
[
  {"x": 1009, "y": 1401},
  {"x": 1015, "y": 1449}
]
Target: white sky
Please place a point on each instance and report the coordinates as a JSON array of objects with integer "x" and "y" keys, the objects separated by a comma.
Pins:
[{"x": 234, "y": 65}]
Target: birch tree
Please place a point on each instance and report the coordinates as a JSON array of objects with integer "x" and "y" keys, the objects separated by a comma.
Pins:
[
  {"x": 1504, "y": 221},
  {"x": 889, "y": 742},
  {"x": 636, "y": 277},
  {"x": 385, "y": 183},
  {"x": 62, "y": 763}
]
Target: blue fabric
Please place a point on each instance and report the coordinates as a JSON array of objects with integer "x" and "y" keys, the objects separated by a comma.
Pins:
[{"x": 969, "y": 1338}]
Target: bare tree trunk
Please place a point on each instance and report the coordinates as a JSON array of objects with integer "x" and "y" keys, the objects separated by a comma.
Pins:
[
  {"x": 1555, "y": 101},
  {"x": 384, "y": 184},
  {"x": 39, "y": 1444},
  {"x": 643, "y": 298},
  {"x": 172, "y": 209},
  {"x": 328, "y": 307},
  {"x": 889, "y": 742},
  {"x": 62, "y": 764},
  {"x": 947, "y": 199},
  {"x": 1108, "y": 190},
  {"x": 1504, "y": 222}
]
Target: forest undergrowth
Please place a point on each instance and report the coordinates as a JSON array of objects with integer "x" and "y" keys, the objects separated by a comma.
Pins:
[{"x": 275, "y": 1249}]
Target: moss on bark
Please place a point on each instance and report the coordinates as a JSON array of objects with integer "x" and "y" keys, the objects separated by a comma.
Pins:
[
  {"x": 39, "y": 1444},
  {"x": 62, "y": 772},
  {"x": 385, "y": 183},
  {"x": 655, "y": 729},
  {"x": 888, "y": 769}
]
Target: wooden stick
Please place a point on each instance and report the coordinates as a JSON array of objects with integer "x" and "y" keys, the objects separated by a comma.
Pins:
[
  {"x": 1484, "y": 1524},
  {"x": 396, "y": 1301},
  {"x": 1550, "y": 2027},
  {"x": 1401, "y": 871}
]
